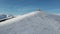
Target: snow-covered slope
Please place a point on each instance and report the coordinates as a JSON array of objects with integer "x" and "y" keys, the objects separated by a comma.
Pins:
[{"x": 31, "y": 23}]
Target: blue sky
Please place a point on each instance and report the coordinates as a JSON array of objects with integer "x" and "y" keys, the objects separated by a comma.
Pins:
[{"x": 17, "y": 7}]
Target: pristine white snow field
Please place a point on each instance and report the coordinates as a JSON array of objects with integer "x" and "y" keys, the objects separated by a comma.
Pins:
[{"x": 32, "y": 23}]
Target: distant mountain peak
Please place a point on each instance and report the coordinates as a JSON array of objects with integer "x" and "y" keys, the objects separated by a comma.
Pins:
[{"x": 4, "y": 17}]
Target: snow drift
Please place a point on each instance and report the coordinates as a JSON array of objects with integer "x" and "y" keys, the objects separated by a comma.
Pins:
[{"x": 32, "y": 23}]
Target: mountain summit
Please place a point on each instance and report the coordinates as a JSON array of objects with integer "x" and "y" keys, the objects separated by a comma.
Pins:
[{"x": 32, "y": 23}]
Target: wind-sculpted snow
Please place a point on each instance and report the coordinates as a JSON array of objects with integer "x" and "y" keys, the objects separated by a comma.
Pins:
[{"x": 32, "y": 23}]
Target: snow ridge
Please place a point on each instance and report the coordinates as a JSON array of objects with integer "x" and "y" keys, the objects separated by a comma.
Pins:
[{"x": 32, "y": 23}]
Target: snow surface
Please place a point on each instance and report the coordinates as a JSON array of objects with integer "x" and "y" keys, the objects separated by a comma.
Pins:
[{"x": 32, "y": 23}]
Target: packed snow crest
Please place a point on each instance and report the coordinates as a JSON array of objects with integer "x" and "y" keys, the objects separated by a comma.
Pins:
[{"x": 32, "y": 23}]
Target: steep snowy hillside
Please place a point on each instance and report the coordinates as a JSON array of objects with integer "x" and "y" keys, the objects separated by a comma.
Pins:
[{"x": 32, "y": 23}]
